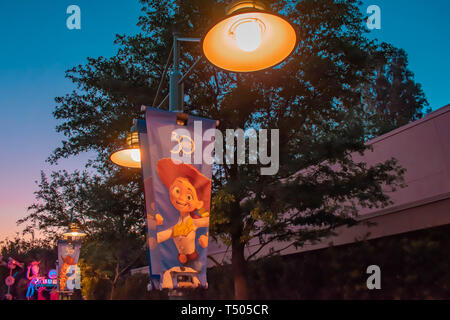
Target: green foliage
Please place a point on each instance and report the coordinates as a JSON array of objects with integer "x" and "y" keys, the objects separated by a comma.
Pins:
[
  {"x": 27, "y": 251},
  {"x": 397, "y": 98},
  {"x": 111, "y": 211},
  {"x": 326, "y": 99}
]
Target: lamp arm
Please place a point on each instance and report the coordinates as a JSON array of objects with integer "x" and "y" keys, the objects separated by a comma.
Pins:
[
  {"x": 180, "y": 82},
  {"x": 191, "y": 69},
  {"x": 176, "y": 78},
  {"x": 176, "y": 59},
  {"x": 176, "y": 95},
  {"x": 162, "y": 77},
  {"x": 186, "y": 39},
  {"x": 166, "y": 98}
]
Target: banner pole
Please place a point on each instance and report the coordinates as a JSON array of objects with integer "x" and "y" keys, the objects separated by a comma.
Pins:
[{"x": 175, "y": 99}]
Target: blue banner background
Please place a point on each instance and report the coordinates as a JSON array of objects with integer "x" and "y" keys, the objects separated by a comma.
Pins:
[{"x": 156, "y": 145}]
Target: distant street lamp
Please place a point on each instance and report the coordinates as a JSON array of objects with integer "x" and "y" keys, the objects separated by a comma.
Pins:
[{"x": 249, "y": 38}]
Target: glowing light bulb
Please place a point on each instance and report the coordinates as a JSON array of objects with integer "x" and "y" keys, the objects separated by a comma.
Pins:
[
  {"x": 136, "y": 155},
  {"x": 248, "y": 34}
]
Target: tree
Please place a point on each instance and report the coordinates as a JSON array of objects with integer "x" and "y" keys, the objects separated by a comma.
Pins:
[
  {"x": 317, "y": 99},
  {"x": 396, "y": 99},
  {"x": 112, "y": 215}
]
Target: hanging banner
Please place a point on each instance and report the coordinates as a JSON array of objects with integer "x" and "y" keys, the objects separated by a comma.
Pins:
[
  {"x": 69, "y": 276},
  {"x": 177, "y": 167},
  {"x": 153, "y": 253}
]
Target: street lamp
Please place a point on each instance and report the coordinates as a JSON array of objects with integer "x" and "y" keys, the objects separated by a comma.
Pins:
[
  {"x": 74, "y": 232},
  {"x": 249, "y": 38},
  {"x": 130, "y": 155}
]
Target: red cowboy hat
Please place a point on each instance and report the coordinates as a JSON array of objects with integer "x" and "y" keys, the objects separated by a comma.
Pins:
[
  {"x": 69, "y": 260},
  {"x": 168, "y": 170}
]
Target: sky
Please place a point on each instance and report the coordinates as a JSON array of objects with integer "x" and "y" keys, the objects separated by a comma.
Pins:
[{"x": 36, "y": 48}]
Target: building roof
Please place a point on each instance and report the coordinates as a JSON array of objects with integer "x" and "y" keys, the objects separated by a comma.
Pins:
[{"x": 423, "y": 149}]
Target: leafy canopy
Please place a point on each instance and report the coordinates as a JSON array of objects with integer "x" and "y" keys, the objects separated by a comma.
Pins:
[{"x": 334, "y": 92}]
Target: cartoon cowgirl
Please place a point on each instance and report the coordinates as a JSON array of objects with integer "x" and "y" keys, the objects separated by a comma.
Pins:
[{"x": 190, "y": 194}]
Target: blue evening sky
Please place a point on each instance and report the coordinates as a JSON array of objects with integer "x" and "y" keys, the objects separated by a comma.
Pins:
[{"x": 36, "y": 48}]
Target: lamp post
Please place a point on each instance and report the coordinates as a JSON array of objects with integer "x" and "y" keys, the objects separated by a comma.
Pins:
[{"x": 249, "y": 38}]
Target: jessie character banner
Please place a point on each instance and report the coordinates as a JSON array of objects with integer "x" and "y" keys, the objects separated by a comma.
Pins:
[
  {"x": 177, "y": 167},
  {"x": 68, "y": 272}
]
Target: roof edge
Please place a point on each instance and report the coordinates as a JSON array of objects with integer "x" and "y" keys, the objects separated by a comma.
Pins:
[{"x": 428, "y": 117}]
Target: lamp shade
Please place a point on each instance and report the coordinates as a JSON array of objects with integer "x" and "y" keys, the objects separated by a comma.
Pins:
[
  {"x": 249, "y": 39},
  {"x": 130, "y": 155},
  {"x": 74, "y": 231}
]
